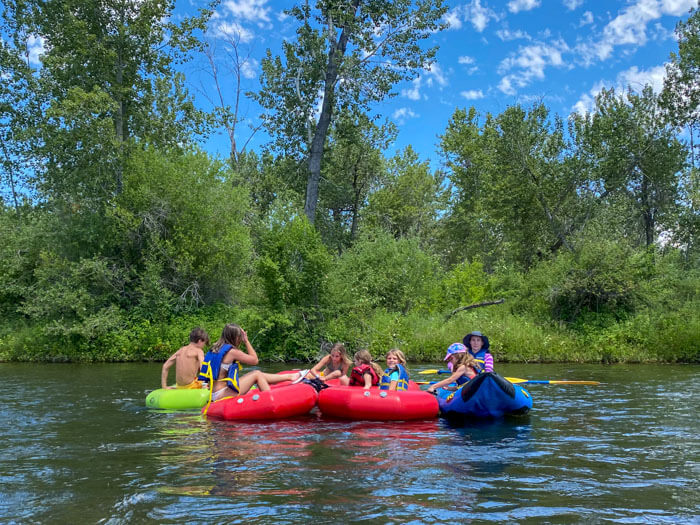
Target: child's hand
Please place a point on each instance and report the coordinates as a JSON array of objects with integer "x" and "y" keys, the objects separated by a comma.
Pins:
[
  {"x": 245, "y": 336},
  {"x": 431, "y": 389}
]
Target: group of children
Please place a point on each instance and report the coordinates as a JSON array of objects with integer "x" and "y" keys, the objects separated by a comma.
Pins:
[{"x": 220, "y": 369}]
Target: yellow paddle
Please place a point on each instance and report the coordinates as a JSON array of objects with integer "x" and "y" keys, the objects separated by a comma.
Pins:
[{"x": 517, "y": 379}]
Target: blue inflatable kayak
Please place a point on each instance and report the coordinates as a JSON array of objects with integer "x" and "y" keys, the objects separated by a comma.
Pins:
[{"x": 488, "y": 395}]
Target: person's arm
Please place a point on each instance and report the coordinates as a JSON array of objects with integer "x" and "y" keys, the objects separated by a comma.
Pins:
[
  {"x": 394, "y": 380},
  {"x": 316, "y": 370},
  {"x": 456, "y": 375},
  {"x": 165, "y": 370},
  {"x": 249, "y": 357},
  {"x": 200, "y": 360},
  {"x": 368, "y": 380},
  {"x": 488, "y": 362}
]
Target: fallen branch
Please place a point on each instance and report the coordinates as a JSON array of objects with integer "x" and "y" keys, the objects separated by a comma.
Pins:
[{"x": 477, "y": 305}]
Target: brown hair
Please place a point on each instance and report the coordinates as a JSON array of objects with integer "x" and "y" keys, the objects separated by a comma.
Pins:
[
  {"x": 198, "y": 334},
  {"x": 340, "y": 347},
  {"x": 399, "y": 355},
  {"x": 364, "y": 357},
  {"x": 232, "y": 334}
]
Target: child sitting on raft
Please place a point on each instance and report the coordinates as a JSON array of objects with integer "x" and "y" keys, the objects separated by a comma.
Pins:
[
  {"x": 187, "y": 360},
  {"x": 395, "y": 376},
  {"x": 332, "y": 366},
  {"x": 463, "y": 366},
  {"x": 478, "y": 347},
  {"x": 366, "y": 372},
  {"x": 224, "y": 361}
]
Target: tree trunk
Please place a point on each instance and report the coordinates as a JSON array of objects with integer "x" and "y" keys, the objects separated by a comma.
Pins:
[{"x": 336, "y": 51}]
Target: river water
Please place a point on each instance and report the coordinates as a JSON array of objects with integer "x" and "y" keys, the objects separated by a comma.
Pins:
[{"x": 78, "y": 445}]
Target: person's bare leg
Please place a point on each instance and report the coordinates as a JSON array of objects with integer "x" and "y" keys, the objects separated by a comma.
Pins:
[
  {"x": 344, "y": 380},
  {"x": 246, "y": 382}
]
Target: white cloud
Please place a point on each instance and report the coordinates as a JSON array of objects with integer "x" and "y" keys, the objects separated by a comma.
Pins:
[
  {"x": 232, "y": 31},
  {"x": 432, "y": 76},
  {"x": 249, "y": 68},
  {"x": 403, "y": 114},
  {"x": 465, "y": 60},
  {"x": 572, "y": 4},
  {"x": 586, "y": 19},
  {"x": 473, "y": 12},
  {"x": 35, "y": 48},
  {"x": 435, "y": 75},
  {"x": 251, "y": 10},
  {"x": 413, "y": 93},
  {"x": 677, "y": 7},
  {"x": 515, "y": 6},
  {"x": 507, "y": 34},
  {"x": 529, "y": 63},
  {"x": 629, "y": 27},
  {"x": 472, "y": 94},
  {"x": 633, "y": 77},
  {"x": 453, "y": 19}
]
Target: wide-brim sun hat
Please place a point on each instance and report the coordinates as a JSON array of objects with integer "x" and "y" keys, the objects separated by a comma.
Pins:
[{"x": 455, "y": 348}]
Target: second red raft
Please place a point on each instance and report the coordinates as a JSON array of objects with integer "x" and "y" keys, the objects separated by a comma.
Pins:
[{"x": 352, "y": 402}]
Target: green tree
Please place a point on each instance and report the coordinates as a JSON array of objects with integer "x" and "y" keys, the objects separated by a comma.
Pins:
[
  {"x": 637, "y": 156},
  {"x": 681, "y": 98},
  {"x": 354, "y": 166},
  {"x": 346, "y": 55},
  {"x": 409, "y": 201},
  {"x": 519, "y": 191}
]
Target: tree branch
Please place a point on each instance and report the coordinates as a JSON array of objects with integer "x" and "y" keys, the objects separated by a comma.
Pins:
[{"x": 475, "y": 305}]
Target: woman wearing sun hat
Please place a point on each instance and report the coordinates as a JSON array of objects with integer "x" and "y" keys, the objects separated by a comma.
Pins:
[{"x": 477, "y": 345}]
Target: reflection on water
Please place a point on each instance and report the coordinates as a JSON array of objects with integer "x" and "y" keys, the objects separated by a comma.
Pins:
[{"x": 80, "y": 446}]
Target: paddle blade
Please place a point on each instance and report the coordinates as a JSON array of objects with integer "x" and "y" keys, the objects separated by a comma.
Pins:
[{"x": 430, "y": 371}]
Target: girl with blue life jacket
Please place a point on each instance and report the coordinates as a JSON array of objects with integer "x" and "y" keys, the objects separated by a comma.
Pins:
[
  {"x": 366, "y": 372},
  {"x": 395, "y": 376},
  {"x": 478, "y": 347},
  {"x": 461, "y": 363},
  {"x": 223, "y": 363}
]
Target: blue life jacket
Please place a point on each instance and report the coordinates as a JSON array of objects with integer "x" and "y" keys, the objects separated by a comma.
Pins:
[
  {"x": 462, "y": 379},
  {"x": 211, "y": 367},
  {"x": 401, "y": 384},
  {"x": 480, "y": 358}
]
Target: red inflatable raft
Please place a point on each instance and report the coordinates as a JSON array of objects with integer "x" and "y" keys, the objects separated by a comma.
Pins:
[
  {"x": 285, "y": 400},
  {"x": 353, "y": 402}
]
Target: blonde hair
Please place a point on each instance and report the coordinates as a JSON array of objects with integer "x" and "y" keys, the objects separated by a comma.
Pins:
[
  {"x": 399, "y": 355},
  {"x": 465, "y": 359},
  {"x": 364, "y": 357}
]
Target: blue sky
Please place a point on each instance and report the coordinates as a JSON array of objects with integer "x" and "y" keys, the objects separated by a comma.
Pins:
[{"x": 494, "y": 54}]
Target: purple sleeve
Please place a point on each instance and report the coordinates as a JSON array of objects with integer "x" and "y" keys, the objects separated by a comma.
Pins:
[{"x": 488, "y": 362}]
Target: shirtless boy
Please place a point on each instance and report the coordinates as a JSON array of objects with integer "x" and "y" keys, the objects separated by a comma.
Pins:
[{"x": 188, "y": 361}]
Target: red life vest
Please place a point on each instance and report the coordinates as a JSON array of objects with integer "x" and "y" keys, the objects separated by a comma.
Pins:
[{"x": 357, "y": 375}]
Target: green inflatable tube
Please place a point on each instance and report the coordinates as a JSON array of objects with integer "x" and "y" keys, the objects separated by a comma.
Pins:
[{"x": 178, "y": 399}]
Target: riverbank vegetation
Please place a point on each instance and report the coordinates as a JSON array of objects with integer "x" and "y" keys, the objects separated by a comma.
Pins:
[{"x": 119, "y": 233}]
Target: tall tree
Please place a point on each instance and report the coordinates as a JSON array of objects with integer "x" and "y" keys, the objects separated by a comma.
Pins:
[
  {"x": 347, "y": 54},
  {"x": 354, "y": 166},
  {"x": 409, "y": 202},
  {"x": 518, "y": 189},
  {"x": 637, "y": 156},
  {"x": 681, "y": 98},
  {"x": 681, "y": 95}
]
